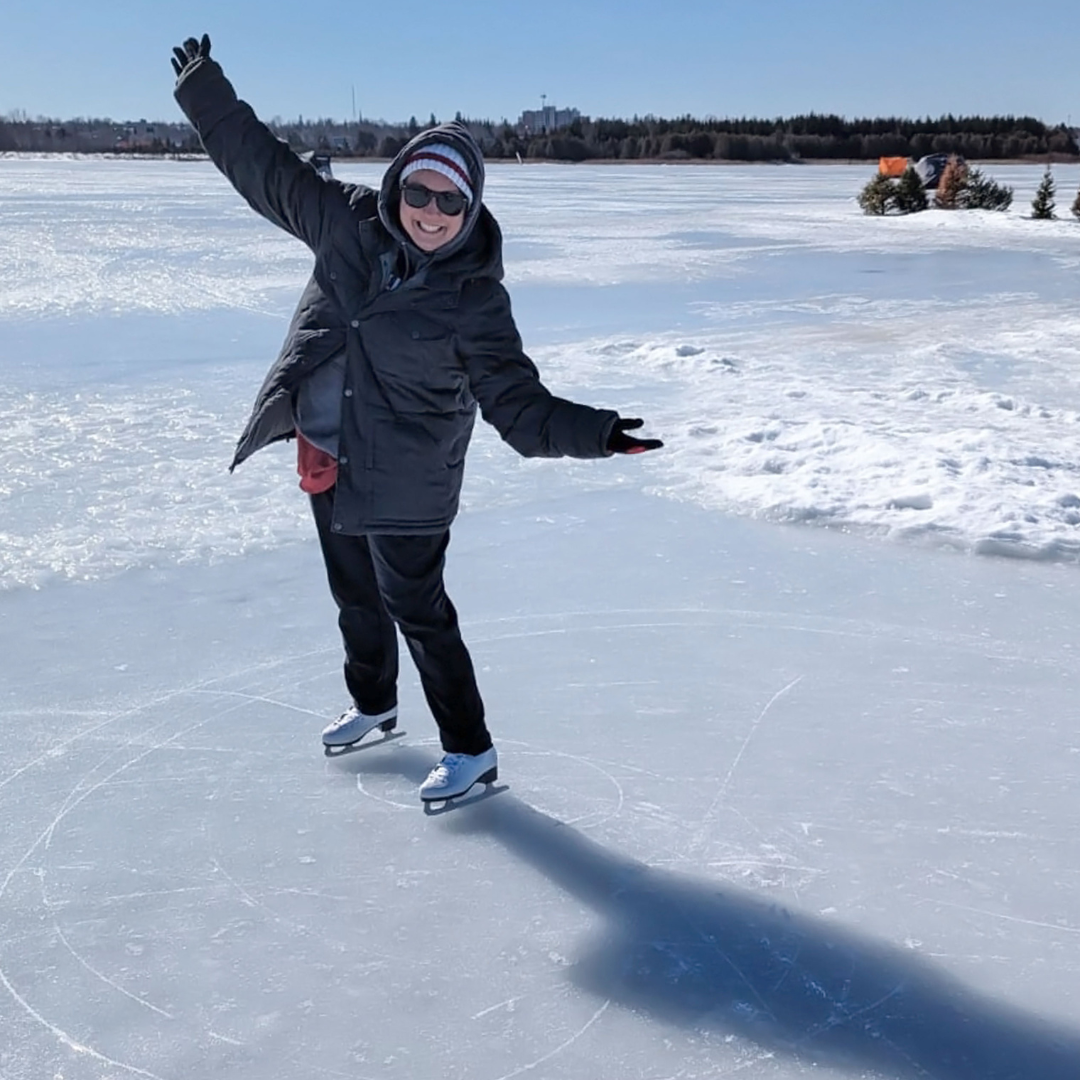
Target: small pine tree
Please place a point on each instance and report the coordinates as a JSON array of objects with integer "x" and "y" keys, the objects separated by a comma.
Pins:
[
  {"x": 951, "y": 184},
  {"x": 1042, "y": 206},
  {"x": 1076, "y": 205},
  {"x": 879, "y": 196},
  {"x": 910, "y": 195},
  {"x": 982, "y": 193}
]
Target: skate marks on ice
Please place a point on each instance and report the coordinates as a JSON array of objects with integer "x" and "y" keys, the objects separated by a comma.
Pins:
[
  {"x": 701, "y": 834},
  {"x": 704, "y": 955},
  {"x": 144, "y": 853},
  {"x": 118, "y": 751},
  {"x": 255, "y": 855},
  {"x": 89, "y": 783}
]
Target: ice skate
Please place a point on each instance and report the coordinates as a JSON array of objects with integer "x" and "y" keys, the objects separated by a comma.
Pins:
[
  {"x": 352, "y": 725},
  {"x": 457, "y": 773}
]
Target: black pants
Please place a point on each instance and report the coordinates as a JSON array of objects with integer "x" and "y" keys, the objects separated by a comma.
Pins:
[{"x": 381, "y": 581}]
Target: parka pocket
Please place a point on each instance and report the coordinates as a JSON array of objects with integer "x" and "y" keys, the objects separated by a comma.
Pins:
[{"x": 415, "y": 361}]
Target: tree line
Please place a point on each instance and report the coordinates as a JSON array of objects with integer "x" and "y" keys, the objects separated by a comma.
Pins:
[
  {"x": 810, "y": 137},
  {"x": 801, "y": 138}
]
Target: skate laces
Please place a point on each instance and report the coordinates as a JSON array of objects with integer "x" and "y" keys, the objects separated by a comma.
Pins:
[{"x": 449, "y": 765}]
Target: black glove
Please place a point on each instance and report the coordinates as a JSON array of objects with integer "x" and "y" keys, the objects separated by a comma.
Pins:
[
  {"x": 191, "y": 51},
  {"x": 620, "y": 443}
]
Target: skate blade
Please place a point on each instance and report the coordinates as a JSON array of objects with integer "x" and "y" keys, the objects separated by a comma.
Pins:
[
  {"x": 352, "y": 748},
  {"x": 434, "y": 807}
]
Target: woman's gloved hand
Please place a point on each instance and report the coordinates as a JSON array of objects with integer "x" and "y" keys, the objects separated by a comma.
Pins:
[
  {"x": 189, "y": 52},
  {"x": 621, "y": 443}
]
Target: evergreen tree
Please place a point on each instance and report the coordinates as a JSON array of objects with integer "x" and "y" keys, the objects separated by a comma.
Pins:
[
  {"x": 364, "y": 142},
  {"x": 982, "y": 193},
  {"x": 389, "y": 146},
  {"x": 909, "y": 195},
  {"x": 1042, "y": 206},
  {"x": 879, "y": 196}
]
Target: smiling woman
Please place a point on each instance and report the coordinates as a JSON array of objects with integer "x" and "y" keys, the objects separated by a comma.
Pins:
[
  {"x": 402, "y": 332},
  {"x": 422, "y": 216},
  {"x": 436, "y": 187}
]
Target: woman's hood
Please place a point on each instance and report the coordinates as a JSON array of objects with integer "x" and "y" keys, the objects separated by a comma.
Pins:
[{"x": 479, "y": 235}]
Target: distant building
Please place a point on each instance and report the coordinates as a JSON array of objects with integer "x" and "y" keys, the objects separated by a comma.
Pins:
[
  {"x": 140, "y": 136},
  {"x": 143, "y": 135},
  {"x": 547, "y": 119}
]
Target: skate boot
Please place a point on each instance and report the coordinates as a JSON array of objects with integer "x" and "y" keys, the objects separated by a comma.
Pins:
[
  {"x": 352, "y": 725},
  {"x": 456, "y": 773}
]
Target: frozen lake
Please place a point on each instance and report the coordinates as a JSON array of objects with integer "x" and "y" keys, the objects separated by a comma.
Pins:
[
  {"x": 914, "y": 378},
  {"x": 781, "y": 800}
]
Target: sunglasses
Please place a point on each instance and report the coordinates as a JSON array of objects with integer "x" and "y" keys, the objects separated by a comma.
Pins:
[{"x": 450, "y": 203}]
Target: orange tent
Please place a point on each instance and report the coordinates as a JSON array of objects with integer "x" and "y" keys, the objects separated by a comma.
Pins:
[{"x": 892, "y": 166}]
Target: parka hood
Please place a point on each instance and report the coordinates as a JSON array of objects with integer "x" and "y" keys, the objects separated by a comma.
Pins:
[{"x": 480, "y": 241}]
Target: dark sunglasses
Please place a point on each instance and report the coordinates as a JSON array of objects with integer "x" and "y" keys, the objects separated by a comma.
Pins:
[{"x": 450, "y": 203}]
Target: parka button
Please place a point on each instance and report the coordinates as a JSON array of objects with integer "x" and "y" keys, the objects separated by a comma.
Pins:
[
  {"x": 343, "y": 460},
  {"x": 355, "y": 323},
  {"x": 348, "y": 392},
  {"x": 333, "y": 275},
  {"x": 415, "y": 335},
  {"x": 337, "y": 526}
]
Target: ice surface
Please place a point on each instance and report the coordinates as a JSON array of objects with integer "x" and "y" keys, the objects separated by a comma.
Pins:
[{"x": 781, "y": 801}]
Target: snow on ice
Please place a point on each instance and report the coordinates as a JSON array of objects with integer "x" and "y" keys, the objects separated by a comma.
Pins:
[{"x": 910, "y": 378}]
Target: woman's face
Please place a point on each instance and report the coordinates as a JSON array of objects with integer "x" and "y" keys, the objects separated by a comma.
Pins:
[{"x": 427, "y": 226}]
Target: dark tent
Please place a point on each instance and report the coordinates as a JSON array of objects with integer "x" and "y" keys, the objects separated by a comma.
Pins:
[{"x": 930, "y": 168}]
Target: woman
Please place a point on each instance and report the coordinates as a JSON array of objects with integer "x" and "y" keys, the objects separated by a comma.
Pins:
[{"x": 402, "y": 331}]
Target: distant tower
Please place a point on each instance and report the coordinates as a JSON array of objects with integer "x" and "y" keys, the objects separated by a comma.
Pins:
[{"x": 543, "y": 114}]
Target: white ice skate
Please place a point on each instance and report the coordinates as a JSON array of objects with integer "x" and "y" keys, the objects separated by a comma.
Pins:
[
  {"x": 456, "y": 773},
  {"x": 352, "y": 725}
]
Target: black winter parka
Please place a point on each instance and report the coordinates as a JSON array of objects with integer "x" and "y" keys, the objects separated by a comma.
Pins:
[{"x": 419, "y": 357}]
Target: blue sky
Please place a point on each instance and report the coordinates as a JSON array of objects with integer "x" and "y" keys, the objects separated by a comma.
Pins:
[{"x": 492, "y": 59}]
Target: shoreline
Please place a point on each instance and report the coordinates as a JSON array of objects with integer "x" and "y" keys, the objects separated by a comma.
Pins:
[{"x": 41, "y": 155}]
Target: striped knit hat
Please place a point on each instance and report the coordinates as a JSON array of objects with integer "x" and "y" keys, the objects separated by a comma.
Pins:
[{"x": 440, "y": 158}]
